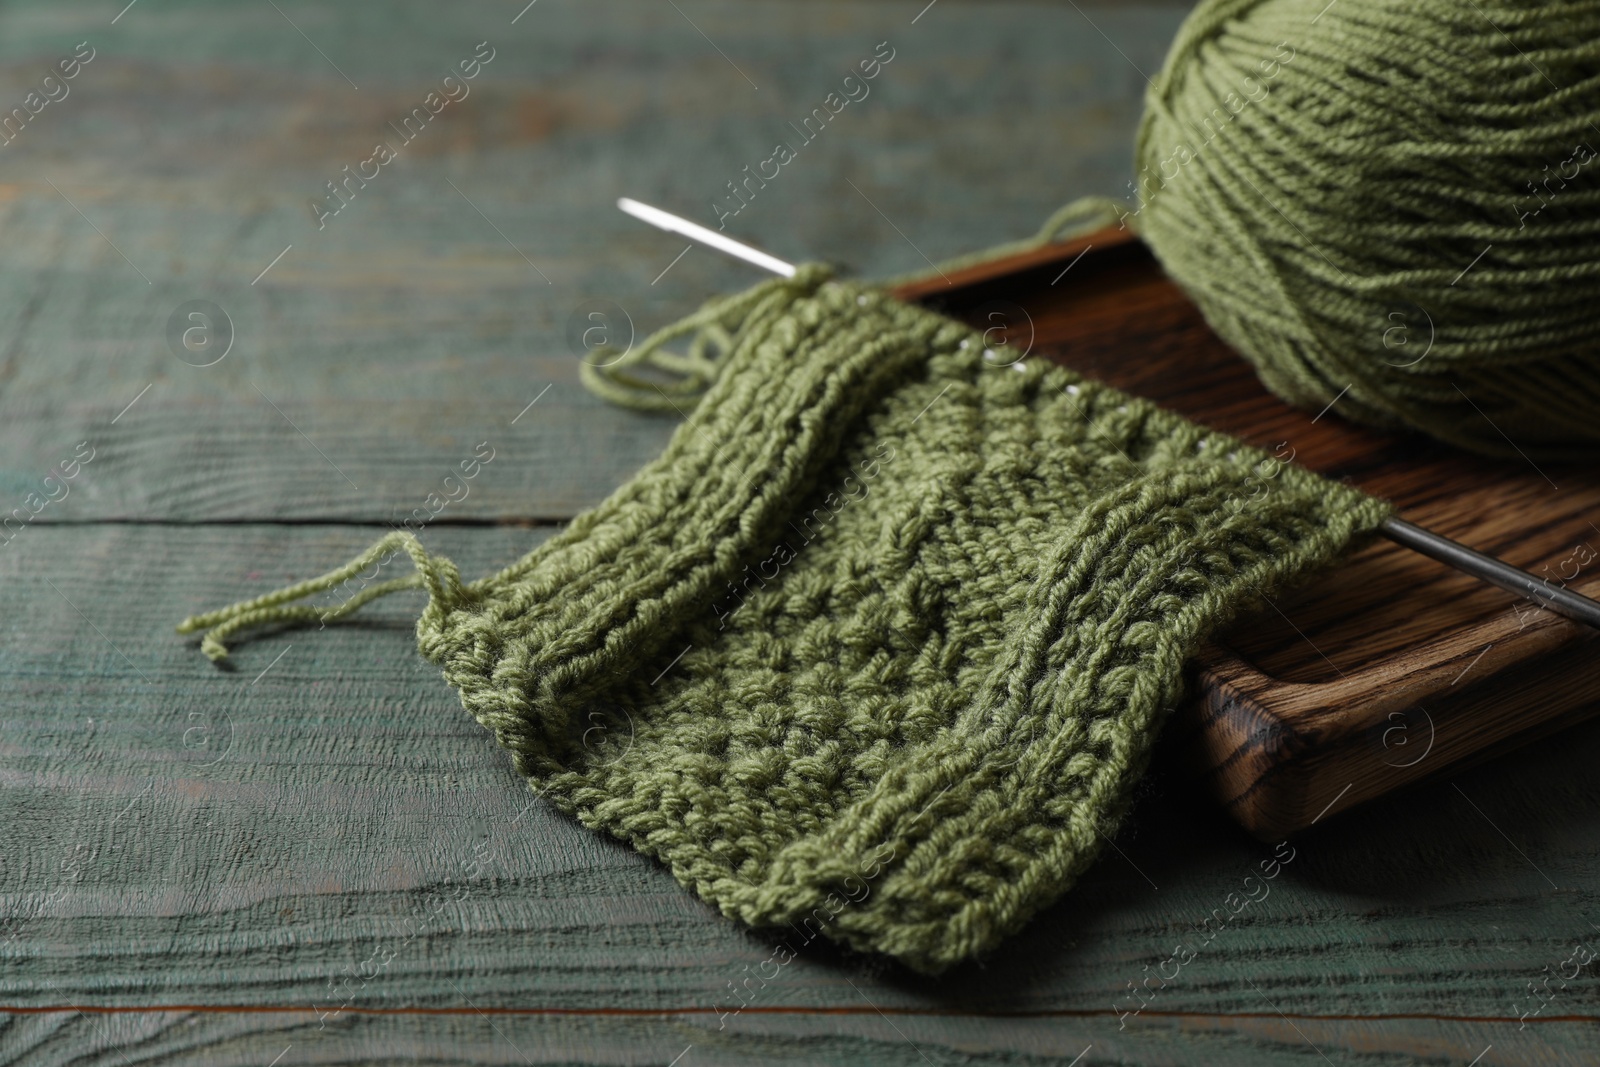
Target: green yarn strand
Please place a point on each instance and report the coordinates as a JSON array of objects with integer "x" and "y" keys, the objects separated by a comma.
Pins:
[
  {"x": 437, "y": 575},
  {"x": 1083, "y": 215},
  {"x": 679, "y": 380}
]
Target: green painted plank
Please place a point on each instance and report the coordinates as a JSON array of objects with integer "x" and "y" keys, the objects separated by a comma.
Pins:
[
  {"x": 180, "y": 834},
  {"x": 411, "y": 324},
  {"x": 210, "y": 1040},
  {"x": 307, "y": 460}
]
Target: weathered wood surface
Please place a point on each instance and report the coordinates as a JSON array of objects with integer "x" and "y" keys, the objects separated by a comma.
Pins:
[
  {"x": 408, "y": 329},
  {"x": 193, "y": 858}
]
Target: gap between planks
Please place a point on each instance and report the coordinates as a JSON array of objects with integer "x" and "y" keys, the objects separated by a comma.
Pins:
[
  {"x": 1041, "y": 1013},
  {"x": 459, "y": 522}
]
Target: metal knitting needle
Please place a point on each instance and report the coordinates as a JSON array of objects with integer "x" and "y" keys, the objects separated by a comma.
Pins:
[
  {"x": 695, "y": 232},
  {"x": 1496, "y": 572}
]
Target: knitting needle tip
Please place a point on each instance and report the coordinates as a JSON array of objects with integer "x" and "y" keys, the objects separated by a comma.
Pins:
[{"x": 665, "y": 220}]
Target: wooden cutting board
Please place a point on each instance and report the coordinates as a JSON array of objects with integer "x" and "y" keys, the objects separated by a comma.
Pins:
[{"x": 1392, "y": 669}]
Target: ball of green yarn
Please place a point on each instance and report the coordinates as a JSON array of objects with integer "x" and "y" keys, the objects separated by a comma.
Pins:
[{"x": 1396, "y": 204}]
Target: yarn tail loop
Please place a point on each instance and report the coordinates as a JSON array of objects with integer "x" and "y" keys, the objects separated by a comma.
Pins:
[
  {"x": 680, "y": 378},
  {"x": 434, "y": 573}
]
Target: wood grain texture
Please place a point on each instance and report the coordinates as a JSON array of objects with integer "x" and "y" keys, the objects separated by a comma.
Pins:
[
  {"x": 417, "y": 320},
  {"x": 1392, "y": 667},
  {"x": 191, "y": 858}
]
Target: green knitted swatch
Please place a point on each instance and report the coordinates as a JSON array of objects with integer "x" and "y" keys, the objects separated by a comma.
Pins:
[{"x": 877, "y": 648}]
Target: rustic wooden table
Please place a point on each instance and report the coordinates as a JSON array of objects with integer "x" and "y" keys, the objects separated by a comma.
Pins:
[{"x": 316, "y": 857}]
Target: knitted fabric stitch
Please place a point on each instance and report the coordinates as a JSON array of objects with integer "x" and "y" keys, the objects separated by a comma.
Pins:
[{"x": 879, "y": 645}]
